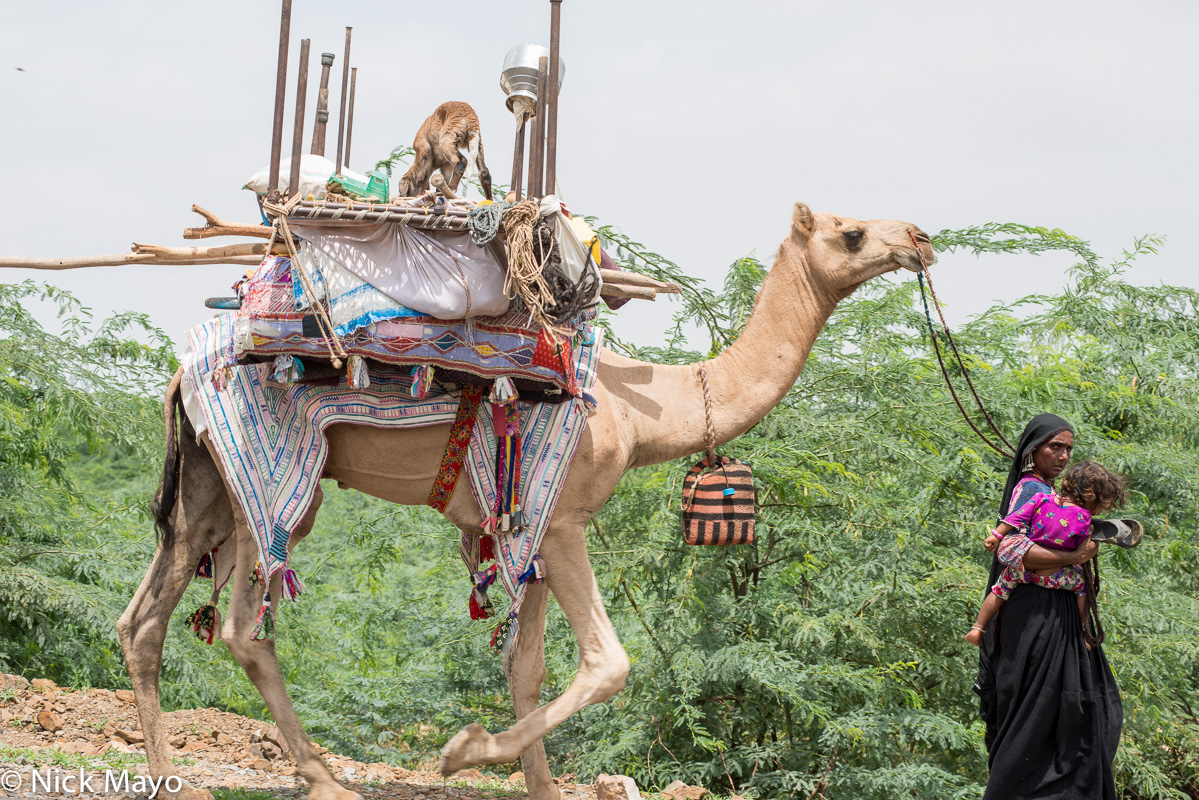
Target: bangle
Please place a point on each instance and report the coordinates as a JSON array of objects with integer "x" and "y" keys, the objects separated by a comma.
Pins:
[{"x": 976, "y": 628}]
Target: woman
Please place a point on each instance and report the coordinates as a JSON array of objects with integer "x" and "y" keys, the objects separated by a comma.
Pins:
[{"x": 1052, "y": 708}]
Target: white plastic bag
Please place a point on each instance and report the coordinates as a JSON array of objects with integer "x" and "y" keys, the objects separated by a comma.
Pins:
[
  {"x": 576, "y": 260},
  {"x": 315, "y": 172}
]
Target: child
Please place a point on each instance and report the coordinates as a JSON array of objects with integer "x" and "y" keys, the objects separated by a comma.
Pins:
[{"x": 1060, "y": 522}]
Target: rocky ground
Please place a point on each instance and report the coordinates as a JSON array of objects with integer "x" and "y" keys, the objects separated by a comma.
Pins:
[{"x": 95, "y": 734}]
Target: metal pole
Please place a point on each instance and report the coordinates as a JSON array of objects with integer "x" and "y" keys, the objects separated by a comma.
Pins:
[
  {"x": 322, "y": 106},
  {"x": 350, "y": 120},
  {"x": 551, "y": 99},
  {"x": 537, "y": 150},
  {"x": 280, "y": 90},
  {"x": 297, "y": 139},
  {"x": 518, "y": 159},
  {"x": 341, "y": 120}
]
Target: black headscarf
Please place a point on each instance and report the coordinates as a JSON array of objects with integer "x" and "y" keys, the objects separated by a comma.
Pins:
[{"x": 1039, "y": 430}]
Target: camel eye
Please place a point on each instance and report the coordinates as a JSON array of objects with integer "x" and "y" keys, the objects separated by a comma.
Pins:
[{"x": 853, "y": 239}]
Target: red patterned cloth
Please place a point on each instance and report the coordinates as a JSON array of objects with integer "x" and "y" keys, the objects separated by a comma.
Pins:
[{"x": 455, "y": 450}]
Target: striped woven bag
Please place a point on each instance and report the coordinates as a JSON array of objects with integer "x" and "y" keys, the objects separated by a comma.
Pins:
[{"x": 718, "y": 503}]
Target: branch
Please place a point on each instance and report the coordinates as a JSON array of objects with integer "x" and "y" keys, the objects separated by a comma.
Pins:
[
  {"x": 227, "y": 251},
  {"x": 219, "y": 227},
  {"x": 120, "y": 260}
]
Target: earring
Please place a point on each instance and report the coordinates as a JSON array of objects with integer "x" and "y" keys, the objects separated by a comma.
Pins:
[{"x": 1027, "y": 466}]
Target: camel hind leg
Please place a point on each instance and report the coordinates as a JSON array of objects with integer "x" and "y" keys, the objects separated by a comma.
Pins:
[
  {"x": 202, "y": 520},
  {"x": 603, "y": 664},
  {"x": 261, "y": 664}
]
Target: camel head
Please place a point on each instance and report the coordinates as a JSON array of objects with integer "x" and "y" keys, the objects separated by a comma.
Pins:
[{"x": 843, "y": 253}]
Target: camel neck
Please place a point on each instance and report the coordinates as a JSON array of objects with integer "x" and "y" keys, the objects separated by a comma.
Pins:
[{"x": 751, "y": 377}]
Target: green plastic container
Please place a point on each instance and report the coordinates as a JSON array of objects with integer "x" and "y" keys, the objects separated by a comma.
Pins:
[{"x": 376, "y": 187}]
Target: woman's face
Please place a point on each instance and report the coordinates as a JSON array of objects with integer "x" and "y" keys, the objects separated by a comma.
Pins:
[{"x": 1051, "y": 458}]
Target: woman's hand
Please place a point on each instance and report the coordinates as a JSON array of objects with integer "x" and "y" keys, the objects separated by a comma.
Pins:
[{"x": 992, "y": 542}]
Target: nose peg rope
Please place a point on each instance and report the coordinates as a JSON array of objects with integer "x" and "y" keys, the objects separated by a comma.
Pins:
[{"x": 921, "y": 277}]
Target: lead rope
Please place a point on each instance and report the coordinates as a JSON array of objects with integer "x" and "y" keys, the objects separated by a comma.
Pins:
[
  {"x": 711, "y": 438},
  {"x": 921, "y": 277}
]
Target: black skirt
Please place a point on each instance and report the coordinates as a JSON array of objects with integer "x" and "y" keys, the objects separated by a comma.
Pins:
[{"x": 1055, "y": 711}]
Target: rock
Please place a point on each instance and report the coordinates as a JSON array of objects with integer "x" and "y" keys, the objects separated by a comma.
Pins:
[
  {"x": 516, "y": 776},
  {"x": 195, "y": 746},
  {"x": 12, "y": 682},
  {"x": 177, "y": 741},
  {"x": 616, "y": 787},
  {"x": 124, "y": 694},
  {"x": 5, "y": 718},
  {"x": 259, "y": 763},
  {"x": 468, "y": 775},
  {"x": 133, "y": 737},
  {"x": 681, "y": 791},
  {"x": 49, "y": 721},
  {"x": 269, "y": 750},
  {"x": 44, "y": 685}
]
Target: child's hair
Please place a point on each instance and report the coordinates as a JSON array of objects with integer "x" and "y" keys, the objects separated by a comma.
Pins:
[{"x": 1093, "y": 486}]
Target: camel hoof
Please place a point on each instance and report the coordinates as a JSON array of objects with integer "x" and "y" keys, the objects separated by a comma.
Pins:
[
  {"x": 335, "y": 792},
  {"x": 467, "y": 748},
  {"x": 186, "y": 792}
]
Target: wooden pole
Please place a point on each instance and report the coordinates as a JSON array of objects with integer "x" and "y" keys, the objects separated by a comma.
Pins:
[
  {"x": 280, "y": 90},
  {"x": 350, "y": 121},
  {"x": 322, "y": 106},
  {"x": 551, "y": 99},
  {"x": 341, "y": 120},
  {"x": 537, "y": 149},
  {"x": 119, "y": 260},
  {"x": 518, "y": 160},
  {"x": 297, "y": 139}
]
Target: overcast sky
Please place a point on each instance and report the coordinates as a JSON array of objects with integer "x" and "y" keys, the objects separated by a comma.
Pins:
[{"x": 674, "y": 115}]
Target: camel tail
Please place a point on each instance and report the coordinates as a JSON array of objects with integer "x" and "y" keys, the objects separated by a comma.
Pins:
[{"x": 168, "y": 493}]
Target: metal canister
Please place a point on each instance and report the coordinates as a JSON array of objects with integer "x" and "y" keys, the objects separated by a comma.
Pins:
[{"x": 519, "y": 76}]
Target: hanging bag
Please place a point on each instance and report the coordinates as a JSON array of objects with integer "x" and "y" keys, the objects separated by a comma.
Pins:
[{"x": 718, "y": 493}]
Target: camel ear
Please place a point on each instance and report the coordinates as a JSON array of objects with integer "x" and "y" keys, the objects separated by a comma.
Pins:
[{"x": 802, "y": 222}]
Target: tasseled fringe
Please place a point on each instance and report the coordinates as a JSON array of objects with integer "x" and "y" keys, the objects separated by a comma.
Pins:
[
  {"x": 293, "y": 587},
  {"x": 480, "y": 605},
  {"x": 504, "y": 635},
  {"x": 287, "y": 369},
  {"x": 204, "y": 568},
  {"x": 506, "y": 420},
  {"x": 422, "y": 381},
  {"x": 486, "y": 548},
  {"x": 535, "y": 573},
  {"x": 204, "y": 622},
  {"x": 357, "y": 374},
  {"x": 503, "y": 391},
  {"x": 264, "y": 627},
  {"x": 256, "y": 575}
]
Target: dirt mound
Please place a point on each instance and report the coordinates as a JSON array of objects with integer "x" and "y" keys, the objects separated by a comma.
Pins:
[{"x": 97, "y": 731}]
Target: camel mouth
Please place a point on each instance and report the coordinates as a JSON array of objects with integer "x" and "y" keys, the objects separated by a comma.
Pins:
[{"x": 911, "y": 259}]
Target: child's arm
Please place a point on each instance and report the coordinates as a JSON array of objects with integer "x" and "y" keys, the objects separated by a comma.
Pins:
[{"x": 996, "y": 535}]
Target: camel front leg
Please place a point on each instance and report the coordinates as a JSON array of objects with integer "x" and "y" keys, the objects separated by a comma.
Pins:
[
  {"x": 258, "y": 659},
  {"x": 603, "y": 664},
  {"x": 525, "y": 669}
]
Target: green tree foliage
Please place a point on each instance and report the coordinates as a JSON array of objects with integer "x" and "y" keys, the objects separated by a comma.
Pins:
[{"x": 825, "y": 658}]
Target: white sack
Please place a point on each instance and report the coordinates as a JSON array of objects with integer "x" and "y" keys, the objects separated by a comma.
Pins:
[{"x": 441, "y": 274}]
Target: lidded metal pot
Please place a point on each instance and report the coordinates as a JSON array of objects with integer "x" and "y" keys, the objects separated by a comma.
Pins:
[{"x": 519, "y": 76}]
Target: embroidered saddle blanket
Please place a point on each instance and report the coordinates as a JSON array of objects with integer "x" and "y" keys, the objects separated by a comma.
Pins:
[{"x": 269, "y": 436}]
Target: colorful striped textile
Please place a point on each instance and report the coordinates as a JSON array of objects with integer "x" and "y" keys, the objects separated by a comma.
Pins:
[{"x": 270, "y": 439}]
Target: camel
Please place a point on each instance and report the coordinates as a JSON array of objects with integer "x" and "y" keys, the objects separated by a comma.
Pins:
[{"x": 646, "y": 414}]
